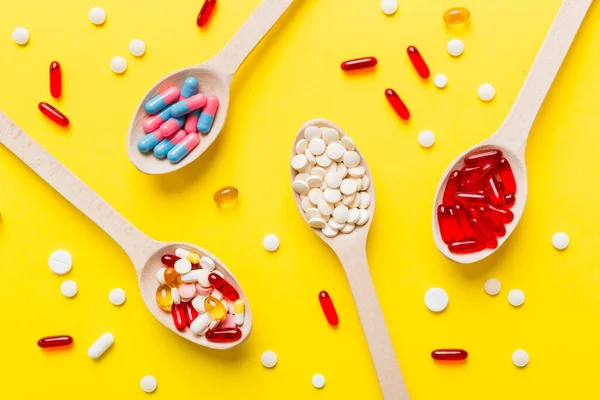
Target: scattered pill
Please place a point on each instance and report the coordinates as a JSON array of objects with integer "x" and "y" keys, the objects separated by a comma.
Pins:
[
  {"x": 440, "y": 81},
  {"x": 68, "y": 288},
  {"x": 426, "y": 138},
  {"x": 137, "y": 47},
  {"x": 418, "y": 62},
  {"x": 268, "y": 359},
  {"x": 118, "y": 65},
  {"x": 560, "y": 240},
  {"x": 55, "y": 79},
  {"x": 328, "y": 308},
  {"x": 20, "y": 35},
  {"x": 97, "y": 16},
  {"x": 225, "y": 195},
  {"x": 520, "y": 358},
  {"x": 486, "y": 92},
  {"x": 456, "y": 47},
  {"x": 436, "y": 299},
  {"x": 456, "y": 16},
  {"x": 148, "y": 384},
  {"x": 318, "y": 381},
  {"x": 271, "y": 242},
  {"x": 60, "y": 262},
  {"x": 52, "y": 113},
  {"x": 101, "y": 345},
  {"x": 516, "y": 297},
  {"x": 55, "y": 341},
  {"x": 117, "y": 296},
  {"x": 389, "y": 7},
  {"x": 205, "y": 12},
  {"x": 397, "y": 104},
  {"x": 357, "y": 63},
  {"x": 449, "y": 354},
  {"x": 492, "y": 286}
]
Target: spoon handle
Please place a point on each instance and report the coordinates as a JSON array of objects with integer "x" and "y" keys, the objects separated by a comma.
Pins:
[
  {"x": 247, "y": 37},
  {"x": 543, "y": 71},
  {"x": 135, "y": 243},
  {"x": 371, "y": 317}
]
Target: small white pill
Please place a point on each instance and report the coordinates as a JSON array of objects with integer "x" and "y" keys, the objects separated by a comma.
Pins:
[
  {"x": 20, "y": 35},
  {"x": 347, "y": 228},
  {"x": 312, "y": 160},
  {"x": 323, "y": 160},
  {"x": 191, "y": 276},
  {"x": 486, "y": 92},
  {"x": 301, "y": 146},
  {"x": 348, "y": 186},
  {"x": 436, "y": 299},
  {"x": 440, "y": 81},
  {"x": 306, "y": 203},
  {"x": 351, "y": 159},
  {"x": 118, "y": 65},
  {"x": 312, "y": 132},
  {"x": 317, "y": 223},
  {"x": 97, "y": 15},
  {"x": 183, "y": 266},
  {"x": 68, "y": 288},
  {"x": 315, "y": 196},
  {"x": 357, "y": 172},
  {"x": 341, "y": 169},
  {"x": 335, "y": 151},
  {"x": 314, "y": 181},
  {"x": 101, "y": 345},
  {"x": 456, "y": 47},
  {"x": 268, "y": 359},
  {"x": 137, "y": 47},
  {"x": 160, "y": 275},
  {"x": 341, "y": 214},
  {"x": 329, "y": 232},
  {"x": 198, "y": 303},
  {"x": 324, "y": 207},
  {"x": 389, "y": 7},
  {"x": 175, "y": 296},
  {"x": 317, "y": 146},
  {"x": 203, "y": 277},
  {"x": 271, "y": 242},
  {"x": 560, "y": 240},
  {"x": 318, "y": 381},
  {"x": 348, "y": 143},
  {"x": 333, "y": 224},
  {"x": 363, "y": 217},
  {"x": 492, "y": 286},
  {"x": 60, "y": 262},
  {"x": 333, "y": 180},
  {"x": 520, "y": 358},
  {"x": 117, "y": 296},
  {"x": 330, "y": 135},
  {"x": 312, "y": 213},
  {"x": 200, "y": 325},
  {"x": 516, "y": 297},
  {"x": 332, "y": 195},
  {"x": 302, "y": 177},
  {"x": 426, "y": 138},
  {"x": 148, "y": 384},
  {"x": 300, "y": 187},
  {"x": 353, "y": 215},
  {"x": 207, "y": 263},
  {"x": 365, "y": 200},
  {"x": 318, "y": 171},
  {"x": 299, "y": 161},
  {"x": 366, "y": 182}
]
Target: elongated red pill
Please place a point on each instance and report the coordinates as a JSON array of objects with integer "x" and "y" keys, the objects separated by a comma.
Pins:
[
  {"x": 55, "y": 341},
  {"x": 449, "y": 354},
  {"x": 205, "y": 12},
  {"x": 328, "y": 308},
  {"x": 53, "y": 114},
  {"x": 55, "y": 79},
  {"x": 224, "y": 335},
  {"x": 178, "y": 311},
  {"x": 418, "y": 62},
  {"x": 359, "y": 63},
  {"x": 397, "y": 104}
]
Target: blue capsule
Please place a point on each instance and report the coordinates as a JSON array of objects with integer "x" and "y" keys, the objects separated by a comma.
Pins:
[
  {"x": 161, "y": 149},
  {"x": 183, "y": 148},
  {"x": 190, "y": 85},
  {"x": 147, "y": 143}
]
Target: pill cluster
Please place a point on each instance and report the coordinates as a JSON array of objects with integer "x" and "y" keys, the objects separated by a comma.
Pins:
[
  {"x": 330, "y": 181},
  {"x": 476, "y": 202},
  {"x": 199, "y": 297},
  {"x": 176, "y": 118}
]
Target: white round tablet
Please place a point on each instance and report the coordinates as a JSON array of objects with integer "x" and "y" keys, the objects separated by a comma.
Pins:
[
  {"x": 60, "y": 262},
  {"x": 492, "y": 286},
  {"x": 520, "y": 358},
  {"x": 516, "y": 297},
  {"x": 183, "y": 266},
  {"x": 137, "y": 47},
  {"x": 20, "y": 35},
  {"x": 440, "y": 81},
  {"x": 118, "y": 65},
  {"x": 436, "y": 299},
  {"x": 148, "y": 384},
  {"x": 268, "y": 359},
  {"x": 486, "y": 92},
  {"x": 117, "y": 296},
  {"x": 456, "y": 47},
  {"x": 97, "y": 15},
  {"x": 560, "y": 240},
  {"x": 318, "y": 381},
  {"x": 426, "y": 138},
  {"x": 68, "y": 288},
  {"x": 271, "y": 242},
  {"x": 389, "y": 7}
]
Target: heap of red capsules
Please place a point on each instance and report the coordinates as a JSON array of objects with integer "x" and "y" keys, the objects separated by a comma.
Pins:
[{"x": 476, "y": 203}]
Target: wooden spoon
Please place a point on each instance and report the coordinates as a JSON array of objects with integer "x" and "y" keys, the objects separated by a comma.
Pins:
[
  {"x": 214, "y": 77},
  {"x": 144, "y": 252},
  {"x": 351, "y": 250},
  {"x": 512, "y": 135}
]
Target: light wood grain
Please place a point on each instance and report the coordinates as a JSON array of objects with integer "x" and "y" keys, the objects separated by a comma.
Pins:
[
  {"x": 144, "y": 252},
  {"x": 351, "y": 250},
  {"x": 512, "y": 135}
]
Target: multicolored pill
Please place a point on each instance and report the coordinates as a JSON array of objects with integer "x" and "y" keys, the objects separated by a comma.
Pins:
[
  {"x": 162, "y": 100},
  {"x": 190, "y": 85},
  {"x": 208, "y": 114},
  {"x": 183, "y": 148},
  {"x": 161, "y": 149},
  {"x": 188, "y": 105},
  {"x": 148, "y": 142},
  {"x": 171, "y": 126},
  {"x": 191, "y": 122}
]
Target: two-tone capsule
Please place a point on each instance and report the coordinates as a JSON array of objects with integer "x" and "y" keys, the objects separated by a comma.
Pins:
[
  {"x": 162, "y": 100},
  {"x": 183, "y": 148},
  {"x": 162, "y": 149},
  {"x": 171, "y": 126},
  {"x": 207, "y": 116},
  {"x": 191, "y": 122},
  {"x": 148, "y": 142},
  {"x": 188, "y": 105},
  {"x": 152, "y": 123}
]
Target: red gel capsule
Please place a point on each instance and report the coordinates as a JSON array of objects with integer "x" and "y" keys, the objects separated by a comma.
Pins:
[
  {"x": 482, "y": 230},
  {"x": 178, "y": 312},
  {"x": 169, "y": 260},
  {"x": 190, "y": 313},
  {"x": 471, "y": 199},
  {"x": 492, "y": 222},
  {"x": 494, "y": 191},
  {"x": 418, "y": 62},
  {"x": 359, "y": 63},
  {"x": 509, "y": 200},
  {"x": 55, "y": 341},
  {"x": 477, "y": 178},
  {"x": 449, "y": 354},
  {"x": 397, "y": 104},
  {"x": 483, "y": 156},
  {"x": 205, "y": 12},
  {"x": 506, "y": 216},
  {"x": 328, "y": 308},
  {"x": 452, "y": 187},
  {"x": 449, "y": 228},
  {"x": 223, "y": 335},
  {"x": 463, "y": 221},
  {"x": 53, "y": 114},
  {"x": 467, "y": 246},
  {"x": 223, "y": 286},
  {"x": 55, "y": 79},
  {"x": 506, "y": 176}
]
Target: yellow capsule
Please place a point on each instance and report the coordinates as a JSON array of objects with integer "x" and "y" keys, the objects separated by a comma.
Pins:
[
  {"x": 456, "y": 15},
  {"x": 215, "y": 308},
  {"x": 188, "y": 255},
  {"x": 163, "y": 297},
  {"x": 225, "y": 195},
  {"x": 239, "y": 308}
]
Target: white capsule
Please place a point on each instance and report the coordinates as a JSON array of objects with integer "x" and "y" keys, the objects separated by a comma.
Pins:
[
  {"x": 198, "y": 303},
  {"x": 207, "y": 263},
  {"x": 175, "y": 296},
  {"x": 203, "y": 277},
  {"x": 216, "y": 294},
  {"x": 188, "y": 255},
  {"x": 239, "y": 309},
  {"x": 200, "y": 325},
  {"x": 101, "y": 345},
  {"x": 191, "y": 276},
  {"x": 213, "y": 324}
]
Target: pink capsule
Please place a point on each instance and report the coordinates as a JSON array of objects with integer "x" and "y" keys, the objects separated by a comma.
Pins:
[
  {"x": 191, "y": 122},
  {"x": 171, "y": 126},
  {"x": 162, "y": 100},
  {"x": 188, "y": 105},
  {"x": 153, "y": 122},
  {"x": 208, "y": 114},
  {"x": 183, "y": 148}
]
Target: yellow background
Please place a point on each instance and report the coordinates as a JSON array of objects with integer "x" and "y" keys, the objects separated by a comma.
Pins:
[{"x": 292, "y": 76}]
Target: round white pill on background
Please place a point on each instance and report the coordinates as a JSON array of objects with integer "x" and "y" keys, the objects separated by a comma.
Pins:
[
  {"x": 268, "y": 359},
  {"x": 20, "y": 35},
  {"x": 137, "y": 47},
  {"x": 560, "y": 240},
  {"x": 492, "y": 286},
  {"x": 118, "y": 65},
  {"x": 436, "y": 299},
  {"x": 486, "y": 92},
  {"x": 516, "y": 297},
  {"x": 117, "y": 296},
  {"x": 183, "y": 266},
  {"x": 60, "y": 262},
  {"x": 148, "y": 384},
  {"x": 97, "y": 15},
  {"x": 271, "y": 242},
  {"x": 68, "y": 288},
  {"x": 426, "y": 138},
  {"x": 440, "y": 81},
  {"x": 520, "y": 358},
  {"x": 456, "y": 47},
  {"x": 318, "y": 381},
  {"x": 389, "y": 7}
]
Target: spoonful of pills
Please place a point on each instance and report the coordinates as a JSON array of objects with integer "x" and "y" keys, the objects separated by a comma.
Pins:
[
  {"x": 482, "y": 195},
  {"x": 333, "y": 190},
  {"x": 183, "y": 285},
  {"x": 185, "y": 111}
]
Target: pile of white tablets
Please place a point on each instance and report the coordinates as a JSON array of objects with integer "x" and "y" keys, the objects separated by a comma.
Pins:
[{"x": 330, "y": 181}]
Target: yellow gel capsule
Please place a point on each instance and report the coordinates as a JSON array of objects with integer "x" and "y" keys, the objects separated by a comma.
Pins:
[
  {"x": 225, "y": 195},
  {"x": 215, "y": 308},
  {"x": 172, "y": 278},
  {"x": 163, "y": 297},
  {"x": 456, "y": 16}
]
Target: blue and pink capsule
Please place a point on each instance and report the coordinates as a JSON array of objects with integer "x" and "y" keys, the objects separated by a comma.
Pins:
[
  {"x": 183, "y": 148},
  {"x": 153, "y": 122},
  {"x": 188, "y": 105},
  {"x": 207, "y": 116},
  {"x": 147, "y": 143},
  {"x": 162, "y": 100},
  {"x": 161, "y": 149}
]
